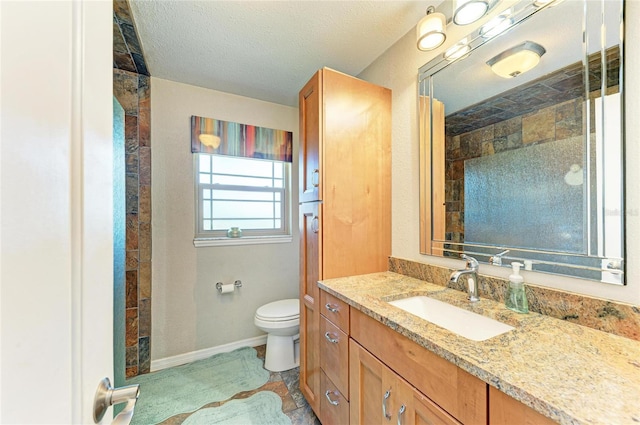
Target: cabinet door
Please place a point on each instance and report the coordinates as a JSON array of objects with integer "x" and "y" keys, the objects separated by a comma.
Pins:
[
  {"x": 458, "y": 392},
  {"x": 380, "y": 396},
  {"x": 309, "y": 102},
  {"x": 368, "y": 386},
  {"x": 416, "y": 409},
  {"x": 310, "y": 261}
]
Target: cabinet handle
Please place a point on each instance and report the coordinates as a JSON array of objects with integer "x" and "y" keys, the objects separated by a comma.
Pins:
[
  {"x": 315, "y": 224},
  {"x": 401, "y": 414},
  {"x": 332, "y": 308},
  {"x": 315, "y": 178},
  {"x": 333, "y": 402},
  {"x": 384, "y": 404},
  {"x": 331, "y": 340}
]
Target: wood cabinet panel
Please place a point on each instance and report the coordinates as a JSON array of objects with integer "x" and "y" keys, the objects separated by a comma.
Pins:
[
  {"x": 334, "y": 407},
  {"x": 367, "y": 385},
  {"x": 310, "y": 260},
  {"x": 334, "y": 355},
  {"x": 380, "y": 396},
  {"x": 423, "y": 411},
  {"x": 459, "y": 393},
  {"x": 356, "y": 175},
  {"x": 505, "y": 410},
  {"x": 334, "y": 309},
  {"x": 310, "y": 115}
]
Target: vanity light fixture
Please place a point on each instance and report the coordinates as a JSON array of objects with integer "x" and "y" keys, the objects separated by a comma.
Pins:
[
  {"x": 458, "y": 50},
  {"x": 210, "y": 140},
  {"x": 431, "y": 30},
  {"x": 469, "y": 11},
  {"x": 517, "y": 60},
  {"x": 540, "y": 3},
  {"x": 497, "y": 25}
]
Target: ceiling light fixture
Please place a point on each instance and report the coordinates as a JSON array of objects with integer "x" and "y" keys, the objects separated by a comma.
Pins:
[
  {"x": 431, "y": 30},
  {"x": 469, "y": 11},
  {"x": 517, "y": 60},
  {"x": 574, "y": 176}
]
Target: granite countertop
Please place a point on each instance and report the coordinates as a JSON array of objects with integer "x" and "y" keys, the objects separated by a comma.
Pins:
[{"x": 569, "y": 373}]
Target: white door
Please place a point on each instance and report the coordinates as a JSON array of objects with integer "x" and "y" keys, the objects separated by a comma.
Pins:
[{"x": 56, "y": 294}]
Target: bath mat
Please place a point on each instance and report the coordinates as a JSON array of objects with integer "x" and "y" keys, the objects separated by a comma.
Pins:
[
  {"x": 188, "y": 387},
  {"x": 263, "y": 408}
]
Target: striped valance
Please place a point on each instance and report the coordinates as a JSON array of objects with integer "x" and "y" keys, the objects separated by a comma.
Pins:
[{"x": 209, "y": 135}]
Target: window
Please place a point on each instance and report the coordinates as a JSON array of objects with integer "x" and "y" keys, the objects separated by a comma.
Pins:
[{"x": 252, "y": 194}]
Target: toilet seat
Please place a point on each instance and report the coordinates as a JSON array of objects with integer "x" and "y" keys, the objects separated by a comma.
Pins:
[
  {"x": 279, "y": 311},
  {"x": 281, "y": 321}
]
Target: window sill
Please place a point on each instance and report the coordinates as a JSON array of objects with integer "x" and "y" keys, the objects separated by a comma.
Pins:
[{"x": 246, "y": 240}]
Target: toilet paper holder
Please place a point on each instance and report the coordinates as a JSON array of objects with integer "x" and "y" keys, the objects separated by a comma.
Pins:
[{"x": 237, "y": 284}]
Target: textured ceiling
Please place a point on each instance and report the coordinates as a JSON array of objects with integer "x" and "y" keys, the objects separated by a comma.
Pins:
[{"x": 267, "y": 49}]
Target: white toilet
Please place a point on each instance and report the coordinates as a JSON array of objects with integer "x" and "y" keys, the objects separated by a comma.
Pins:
[{"x": 281, "y": 321}]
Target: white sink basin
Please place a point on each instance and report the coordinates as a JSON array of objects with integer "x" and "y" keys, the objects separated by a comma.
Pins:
[{"x": 457, "y": 320}]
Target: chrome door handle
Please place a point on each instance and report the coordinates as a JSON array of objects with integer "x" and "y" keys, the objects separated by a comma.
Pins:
[
  {"x": 315, "y": 224},
  {"x": 315, "y": 175},
  {"x": 331, "y": 308},
  {"x": 327, "y": 335},
  {"x": 384, "y": 404},
  {"x": 107, "y": 396},
  {"x": 401, "y": 414},
  {"x": 333, "y": 402}
]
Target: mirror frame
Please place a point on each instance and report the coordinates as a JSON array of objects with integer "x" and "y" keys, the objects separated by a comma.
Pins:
[{"x": 521, "y": 12}]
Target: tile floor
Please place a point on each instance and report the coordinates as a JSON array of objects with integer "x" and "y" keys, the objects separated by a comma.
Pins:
[{"x": 285, "y": 384}]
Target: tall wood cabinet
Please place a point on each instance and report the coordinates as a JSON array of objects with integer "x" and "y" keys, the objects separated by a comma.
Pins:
[{"x": 345, "y": 195}]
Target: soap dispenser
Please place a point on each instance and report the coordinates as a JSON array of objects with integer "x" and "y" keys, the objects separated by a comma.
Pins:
[{"x": 516, "y": 298}]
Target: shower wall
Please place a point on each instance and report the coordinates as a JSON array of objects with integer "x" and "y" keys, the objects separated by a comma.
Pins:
[
  {"x": 545, "y": 110},
  {"x": 132, "y": 89},
  {"x": 553, "y": 123}
]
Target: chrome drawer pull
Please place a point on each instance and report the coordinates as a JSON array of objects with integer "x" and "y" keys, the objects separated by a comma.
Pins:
[
  {"x": 384, "y": 404},
  {"x": 315, "y": 224},
  {"x": 331, "y": 308},
  {"x": 315, "y": 178},
  {"x": 331, "y": 340},
  {"x": 333, "y": 402},
  {"x": 401, "y": 414}
]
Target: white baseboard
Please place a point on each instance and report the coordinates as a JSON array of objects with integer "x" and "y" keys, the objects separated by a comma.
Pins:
[{"x": 204, "y": 353}]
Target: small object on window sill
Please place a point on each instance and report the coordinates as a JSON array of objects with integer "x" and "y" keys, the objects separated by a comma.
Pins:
[{"x": 234, "y": 232}]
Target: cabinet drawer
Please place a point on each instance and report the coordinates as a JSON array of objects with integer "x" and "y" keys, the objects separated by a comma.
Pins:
[
  {"x": 336, "y": 310},
  {"x": 459, "y": 393},
  {"x": 334, "y": 354},
  {"x": 334, "y": 408}
]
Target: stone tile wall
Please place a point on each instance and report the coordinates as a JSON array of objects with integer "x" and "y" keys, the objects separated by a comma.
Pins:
[
  {"x": 547, "y": 109},
  {"x": 131, "y": 86},
  {"x": 608, "y": 316},
  {"x": 556, "y": 122}
]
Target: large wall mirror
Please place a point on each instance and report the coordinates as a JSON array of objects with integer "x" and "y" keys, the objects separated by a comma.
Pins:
[{"x": 522, "y": 141}]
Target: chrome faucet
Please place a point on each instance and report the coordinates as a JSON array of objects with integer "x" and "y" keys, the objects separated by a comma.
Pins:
[
  {"x": 496, "y": 260},
  {"x": 471, "y": 270}
]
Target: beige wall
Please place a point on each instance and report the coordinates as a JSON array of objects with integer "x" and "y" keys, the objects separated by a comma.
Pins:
[
  {"x": 397, "y": 69},
  {"x": 188, "y": 314}
]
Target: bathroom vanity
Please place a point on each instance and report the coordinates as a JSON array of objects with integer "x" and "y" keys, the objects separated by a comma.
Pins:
[{"x": 404, "y": 369}]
